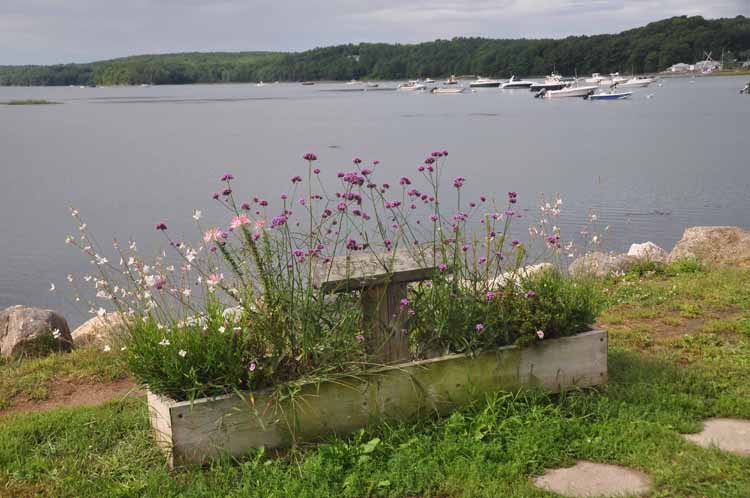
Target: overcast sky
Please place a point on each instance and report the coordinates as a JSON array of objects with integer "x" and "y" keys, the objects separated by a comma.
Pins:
[{"x": 52, "y": 31}]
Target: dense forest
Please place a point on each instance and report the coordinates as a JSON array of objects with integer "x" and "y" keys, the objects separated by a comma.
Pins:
[{"x": 647, "y": 49}]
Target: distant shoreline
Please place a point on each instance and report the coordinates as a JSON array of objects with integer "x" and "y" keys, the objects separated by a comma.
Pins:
[{"x": 438, "y": 80}]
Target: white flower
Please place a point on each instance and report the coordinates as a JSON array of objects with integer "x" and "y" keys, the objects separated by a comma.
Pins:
[
  {"x": 197, "y": 215},
  {"x": 233, "y": 313},
  {"x": 101, "y": 312},
  {"x": 73, "y": 212},
  {"x": 107, "y": 348},
  {"x": 164, "y": 342},
  {"x": 70, "y": 278},
  {"x": 222, "y": 329},
  {"x": 187, "y": 292},
  {"x": 70, "y": 239},
  {"x": 52, "y": 287},
  {"x": 123, "y": 348},
  {"x": 56, "y": 333},
  {"x": 132, "y": 246},
  {"x": 182, "y": 353}
]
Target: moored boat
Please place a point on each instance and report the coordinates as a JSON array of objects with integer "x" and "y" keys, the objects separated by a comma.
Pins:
[
  {"x": 552, "y": 82},
  {"x": 573, "y": 91},
  {"x": 637, "y": 82},
  {"x": 485, "y": 83},
  {"x": 595, "y": 78},
  {"x": 514, "y": 84},
  {"x": 452, "y": 80},
  {"x": 412, "y": 86},
  {"x": 609, "y": 96},
  {"x": 448, "y": 91}
]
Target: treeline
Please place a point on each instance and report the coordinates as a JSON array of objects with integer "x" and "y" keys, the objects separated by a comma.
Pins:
[{"x": 647, "y": 49}]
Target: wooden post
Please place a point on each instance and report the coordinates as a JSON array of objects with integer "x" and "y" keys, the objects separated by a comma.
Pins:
[
  {"x": 383, "y": 281},
  {"x": 385, "y": 322}
]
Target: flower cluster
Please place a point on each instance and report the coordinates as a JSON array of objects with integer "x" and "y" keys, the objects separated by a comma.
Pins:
[{"x": 245, "y": 302}]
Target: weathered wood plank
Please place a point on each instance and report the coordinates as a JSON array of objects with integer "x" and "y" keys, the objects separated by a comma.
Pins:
[
  {"x": 384, "y": 323},
  {"x": 201, "y": 430},
  {"x": 364, "y": 269}
]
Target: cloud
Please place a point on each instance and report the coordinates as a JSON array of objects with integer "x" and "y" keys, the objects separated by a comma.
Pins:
[{"x": 50, "y": 31}]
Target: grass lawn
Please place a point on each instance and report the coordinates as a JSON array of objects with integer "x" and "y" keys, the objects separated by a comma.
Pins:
[{"x": 679, "y": 353}]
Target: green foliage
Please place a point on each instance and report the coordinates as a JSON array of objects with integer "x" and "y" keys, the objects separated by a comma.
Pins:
[
  {"x": 452, "y": 319},
  {"x": 647, "y": 49}
]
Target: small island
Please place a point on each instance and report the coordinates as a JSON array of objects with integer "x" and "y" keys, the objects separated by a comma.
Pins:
[{"x": 29, "y": 102}]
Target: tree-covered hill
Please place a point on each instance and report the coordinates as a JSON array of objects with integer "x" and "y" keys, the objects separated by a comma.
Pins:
[{"x": 647, "y": 49}]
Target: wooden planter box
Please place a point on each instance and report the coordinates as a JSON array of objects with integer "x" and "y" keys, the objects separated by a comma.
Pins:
[{"x": 195, "y": 432}]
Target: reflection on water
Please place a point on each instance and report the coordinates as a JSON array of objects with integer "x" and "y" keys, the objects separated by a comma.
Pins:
[{"x": 649, "y": 167}]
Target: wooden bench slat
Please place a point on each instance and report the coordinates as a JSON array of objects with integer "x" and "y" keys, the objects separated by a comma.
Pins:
[{"x": 361, "y": 270}]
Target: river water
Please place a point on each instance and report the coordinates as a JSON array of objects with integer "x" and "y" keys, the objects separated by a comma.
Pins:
[{"x": 674, "y": 156}]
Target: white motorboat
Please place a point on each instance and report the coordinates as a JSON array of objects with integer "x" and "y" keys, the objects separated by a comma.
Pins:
[
  {"x": 352, "y": 82},
  {"x": 485, "y": 83},
  {"x": 609, "y": 96},
  {"x": 448, "y": 91},
  {"x": 614, "y": 79},
  {"x": 428, "y": 81},
  {"x": 260, "y": 83},
  {"x": 513, "y": 83},
  {"x": 595, "y": 78},
  {"x": 552, "y": 82},
  {"x": 573, "y": 91},
  {"x": 411, "y": 86},
  {"x": 452, "y": 80},
  {"x": 637, "y": 82}
]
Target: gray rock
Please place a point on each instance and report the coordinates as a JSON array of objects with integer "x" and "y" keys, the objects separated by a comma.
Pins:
[
  {"x": 108, "y": 330},
  {"x": 588, "y": 479},
  {"x": 728, "y": 246},
  {"x": 600, "y": 264},
  {"x": 648, "y": 251},
  {"x": 26, "y": 331}
]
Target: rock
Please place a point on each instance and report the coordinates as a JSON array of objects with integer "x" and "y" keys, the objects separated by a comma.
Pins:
[
  {"x": 32, "y": 331},
  {"x": 600, "y": 264},
  {"x": 101, "y": 331},
  {"x": 522, "y": 273},
  {"x": 589, "y": 479},
  {"x": 732, "y": 435},
  {"x": 648, "y": 251},
  {"x": 728, "y": 246}
]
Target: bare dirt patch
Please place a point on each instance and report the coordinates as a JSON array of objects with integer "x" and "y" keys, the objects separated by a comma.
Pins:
[{"x": 66, "y": 394}]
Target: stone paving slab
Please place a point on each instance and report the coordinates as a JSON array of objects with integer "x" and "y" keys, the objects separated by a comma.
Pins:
[
  {"x": 727, "y": 434},
  {"x": 589, "y": 480}
]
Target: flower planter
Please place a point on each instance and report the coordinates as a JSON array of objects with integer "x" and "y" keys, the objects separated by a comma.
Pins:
[{"x": 195, "y": 432}]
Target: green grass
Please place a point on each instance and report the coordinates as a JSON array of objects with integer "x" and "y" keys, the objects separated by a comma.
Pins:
[
  {"x": 667, "y": 373},
  {"x": 29, "y": 102},
  {"x": 33, "y": 378}
]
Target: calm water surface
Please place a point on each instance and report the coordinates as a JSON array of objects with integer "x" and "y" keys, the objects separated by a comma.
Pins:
[{"x": 130, "y": 157}]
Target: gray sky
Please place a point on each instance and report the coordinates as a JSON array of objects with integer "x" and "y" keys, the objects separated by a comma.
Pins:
[{"x": 52, "y": 31}]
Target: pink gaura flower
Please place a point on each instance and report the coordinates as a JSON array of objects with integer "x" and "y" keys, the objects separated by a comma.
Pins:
[
  {"x": 540, "y": 334},
  {"x": 213, "y": 235},
  {"x": 360, "y": 338},
  {"x": 214, "y": 279},
  {"x": 239, "y": 221}
]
